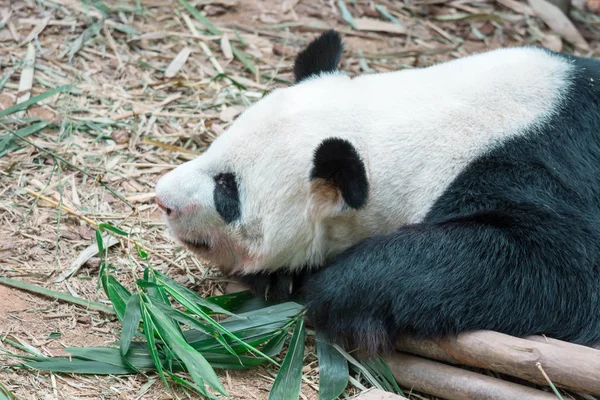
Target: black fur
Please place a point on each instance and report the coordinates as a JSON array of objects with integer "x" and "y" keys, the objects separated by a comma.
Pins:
[
  {"x": 338, "y": 162},
  {"x": 321, "y": 55},
  {"x": 513, "y": 245},
  {"x": 226, "y": 197},
  {"x": 274, "y": 285}
]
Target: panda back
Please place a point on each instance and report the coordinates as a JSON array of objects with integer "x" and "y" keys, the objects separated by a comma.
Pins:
[{"x": 426, "y": 127}]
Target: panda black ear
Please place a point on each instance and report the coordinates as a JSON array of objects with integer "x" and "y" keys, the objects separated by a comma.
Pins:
[
  {"x": 321, "y": 55},
  {"x": 338, "y": 169}
]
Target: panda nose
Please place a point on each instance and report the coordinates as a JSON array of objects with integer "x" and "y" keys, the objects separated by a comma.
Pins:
[{"x": 162, "y": 206}]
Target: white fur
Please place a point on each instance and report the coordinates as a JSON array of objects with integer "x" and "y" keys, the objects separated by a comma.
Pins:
[{"x": 415, "y": 129}]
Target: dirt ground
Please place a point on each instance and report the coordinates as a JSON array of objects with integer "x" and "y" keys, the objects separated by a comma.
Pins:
[{"x": 136, "y": 112}]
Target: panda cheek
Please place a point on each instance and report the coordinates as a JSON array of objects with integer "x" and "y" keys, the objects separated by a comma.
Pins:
[{"x": 190, "y": 209}]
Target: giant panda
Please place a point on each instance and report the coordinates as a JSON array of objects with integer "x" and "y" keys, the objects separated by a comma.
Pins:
[{"x": 427, "y": 202}]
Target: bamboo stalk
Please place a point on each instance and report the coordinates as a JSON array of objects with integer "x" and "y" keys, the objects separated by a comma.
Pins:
[
  {"x": 567, "y": 365},
  {"x": 455, "y": 383}
]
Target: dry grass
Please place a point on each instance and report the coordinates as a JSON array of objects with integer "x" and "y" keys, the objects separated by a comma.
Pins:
[{"x": 154, "y": 87}]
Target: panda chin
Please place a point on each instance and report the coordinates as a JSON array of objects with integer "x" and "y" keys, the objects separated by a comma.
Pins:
[{"x": 197, "y": 245}]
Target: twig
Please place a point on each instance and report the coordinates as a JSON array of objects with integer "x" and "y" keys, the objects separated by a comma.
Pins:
[
  {"x": 94, "y": 224},
  {"x": 547, "y": 378},
  {"x": 63, "y": 207}
]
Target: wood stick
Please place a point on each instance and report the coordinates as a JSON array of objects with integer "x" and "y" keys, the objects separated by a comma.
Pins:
[
  {"x": 454, "y": 383},
  {"x": 567, "y": 365}
]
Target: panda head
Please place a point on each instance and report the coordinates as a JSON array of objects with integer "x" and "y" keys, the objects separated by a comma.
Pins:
[{"x": 284, "y": 186}]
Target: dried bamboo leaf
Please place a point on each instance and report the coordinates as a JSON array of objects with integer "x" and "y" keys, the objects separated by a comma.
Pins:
[
  {"x": 36, "y": 31},
  {"x": 346, "y": 14},
  {"x": 383, "y": 11},
  {"x": 559, "y": 23},
  {"x": 552, "y": 42},
  {"x": 226, "y": 47},
  {"x": 85, "y": 36},
  {"x": 178, "y": 62},
  {"x": 26, "y": 82},
  {"x": 518, "y": 7},
  {"x": 85, "y": 255},
  {"x": 228, "y": 114},
  {"x": 375, "y": 25}
]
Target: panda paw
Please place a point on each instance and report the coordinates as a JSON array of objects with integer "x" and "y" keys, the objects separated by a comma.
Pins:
[
  {"x": 349, "y": 314},
  {"x": 273, "y": 285}
]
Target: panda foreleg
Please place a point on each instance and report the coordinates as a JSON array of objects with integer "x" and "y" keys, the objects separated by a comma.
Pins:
[
  {"x": 274, "y": 285},
  {"x": 497, "y": 272}
]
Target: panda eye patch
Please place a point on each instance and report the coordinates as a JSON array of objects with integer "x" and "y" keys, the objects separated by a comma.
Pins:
[{"x": 226, "y": 196}]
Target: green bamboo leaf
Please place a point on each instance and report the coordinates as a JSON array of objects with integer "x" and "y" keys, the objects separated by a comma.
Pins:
[
  {"x": 201, "y": 18},
  {"x": 184, "y": 318},
  {"x": 275, "y": 345},
  {"x": 272, "y": 318},
  {"x": 241, "y": 56},
  {"x": 34, "y": 100},
  {"x": 151, "y": 342},
  {"x": 380, "y": 367},
  {"x": 257, "y": 327},
  {"x": 228, "y": 361},
  {"x": 193, "y": 323},
  {"x": 5, "y": 394},
  {"x": 188, "y": 299},
  {"x": 333, "y": 370},
  {"x": 364, "y": 371},
  {"x": 113, "y": 229},
  {"x": 7, "y": 141},
  {"x": 376, "y": 375},
  {"x": 131, "y": 321},
  {"x": 155, "y": 290},
  {"x": 100, "y": 243},
  {"x": 140, "y": 358},
  {"x": 78, "y": 366},
  {"x": 141, "y": 253},
  {"x": 195, "y": 363},
  {"x": 56, "y": 295},
  {"x": 249, "y": 338},
  {"x": 233, "y": 81},
  {"x": 117, "y": 294},
  {"x": 231, "y": 301},
  {"x": 173, "y": 286},
  {"x": 289, "y": 378},
  {"x": 190, "y": 385}
]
